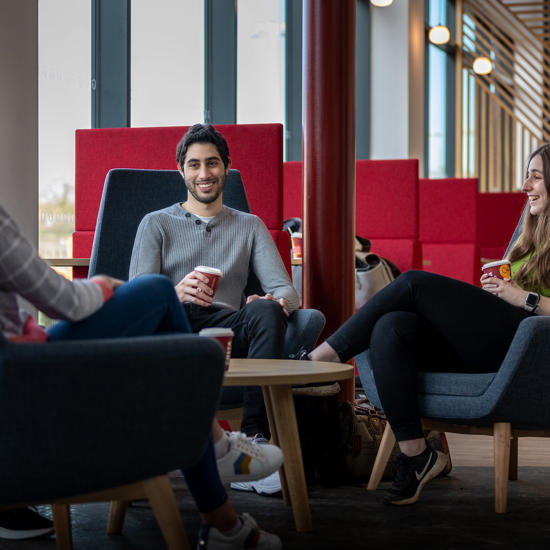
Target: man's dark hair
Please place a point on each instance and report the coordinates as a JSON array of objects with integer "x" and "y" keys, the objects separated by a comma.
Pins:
[{"x": 202, "y": 133}]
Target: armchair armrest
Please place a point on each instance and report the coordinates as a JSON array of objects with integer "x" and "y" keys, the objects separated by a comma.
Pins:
[{"x": 524, "y": 377}]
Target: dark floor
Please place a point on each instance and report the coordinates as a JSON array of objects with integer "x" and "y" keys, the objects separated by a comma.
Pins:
[{"x": 454, "y": 512}]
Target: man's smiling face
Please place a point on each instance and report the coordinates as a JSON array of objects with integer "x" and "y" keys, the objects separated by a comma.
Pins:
[{"x": 204, "y": 173}]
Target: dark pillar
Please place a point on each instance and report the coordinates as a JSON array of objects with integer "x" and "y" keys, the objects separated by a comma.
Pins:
[
  {"x": 220, "y": 62},
  {"x": 329, "y": 158},
  {"x": 110, "y": 63}
]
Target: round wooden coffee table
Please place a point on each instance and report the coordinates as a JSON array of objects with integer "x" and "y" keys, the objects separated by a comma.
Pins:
[{"x": 276, "y": 377}]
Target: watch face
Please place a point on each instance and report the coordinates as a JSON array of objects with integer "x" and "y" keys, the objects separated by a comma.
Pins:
[{"x": 531, "y": 301}]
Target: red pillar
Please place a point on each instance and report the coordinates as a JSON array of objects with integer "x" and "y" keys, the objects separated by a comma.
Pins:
[{"x": 329, "y": 158}]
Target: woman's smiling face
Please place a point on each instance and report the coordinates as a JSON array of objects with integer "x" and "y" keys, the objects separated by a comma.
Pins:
[{"x": 534, "y": 186}]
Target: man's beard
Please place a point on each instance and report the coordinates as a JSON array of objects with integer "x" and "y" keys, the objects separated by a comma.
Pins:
[{"x": 209, "y": 198}]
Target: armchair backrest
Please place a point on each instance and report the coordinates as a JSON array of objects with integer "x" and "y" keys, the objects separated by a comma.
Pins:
[{"x": 128, "y": 195}]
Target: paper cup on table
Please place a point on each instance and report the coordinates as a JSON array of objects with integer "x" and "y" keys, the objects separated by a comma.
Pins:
[
  {"x": 213, "y": 274},
  {"x": 296, "y": 239},
  {"x": 500, "y": 269},
  {"x": 224, "y": 336}
]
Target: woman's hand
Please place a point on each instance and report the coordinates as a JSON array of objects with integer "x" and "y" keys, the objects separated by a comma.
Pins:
[
  {"x": 509, "y": 291},
  {"x": 194, "y": 288},
  {"x": 110, "y": 282}
]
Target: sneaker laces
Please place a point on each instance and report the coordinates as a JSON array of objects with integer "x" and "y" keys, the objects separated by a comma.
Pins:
[{"x": 244, "y": 444}]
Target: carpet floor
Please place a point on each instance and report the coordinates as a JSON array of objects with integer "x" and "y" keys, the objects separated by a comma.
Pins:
[{"x": 454, "y": 512}]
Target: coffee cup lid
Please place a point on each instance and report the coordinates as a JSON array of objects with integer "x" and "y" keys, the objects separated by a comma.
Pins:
[
  {"x": 494, "y": 264},
  {"x": 206, "y": 269},
  {"x": 216, "y": 331}
]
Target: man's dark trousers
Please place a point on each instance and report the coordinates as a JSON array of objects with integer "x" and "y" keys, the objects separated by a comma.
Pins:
[{"x": 259, "y": 331}]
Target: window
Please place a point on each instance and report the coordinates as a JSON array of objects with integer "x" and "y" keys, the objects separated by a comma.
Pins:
[
  {"x": 440, "y": 96},
  {"x": 260, "y": 61},
  {"x": 167, "y": 62},
  {"x": 64, "y": 105}
]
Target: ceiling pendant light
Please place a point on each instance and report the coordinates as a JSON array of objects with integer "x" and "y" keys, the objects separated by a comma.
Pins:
[
  {"x": 381, "y": 3},
  {"x": 482, "y": 65},
  {"x": 439, "y": 34}
]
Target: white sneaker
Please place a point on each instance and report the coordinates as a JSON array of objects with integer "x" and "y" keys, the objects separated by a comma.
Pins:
[
  {"x": 247, "y": 461},
  {"x": 248, "y": 536},
  {"x": 269, "y": 485}
]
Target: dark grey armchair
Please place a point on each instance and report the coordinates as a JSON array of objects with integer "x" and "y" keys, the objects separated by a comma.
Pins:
[
  {"x": 507, "y": 404},
  {"x": 128, "y": 195},
  {"x": 83, "y": 417}
]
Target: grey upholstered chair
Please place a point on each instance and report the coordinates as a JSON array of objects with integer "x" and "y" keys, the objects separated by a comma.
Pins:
[
  {"x": 96, "y": 420},
  {"x": 507, "y": 404},
  {"x": 130, "y": 194}
]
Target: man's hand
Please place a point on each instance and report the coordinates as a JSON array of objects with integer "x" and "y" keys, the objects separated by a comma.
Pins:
[
  {"x": 268, "y": 296},
  {"x": 509, "y": 291},
  {"x": 194, "y": 288},
  {"x": 111, "y": 282}
]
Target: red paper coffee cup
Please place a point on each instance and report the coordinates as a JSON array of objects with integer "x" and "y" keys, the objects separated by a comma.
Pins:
[
  {"x": 224, "y": 336},
  {"x": 213, "y": 275},
  {"x": 296, "y": 239},
  {"x": 500, "y": 269}
]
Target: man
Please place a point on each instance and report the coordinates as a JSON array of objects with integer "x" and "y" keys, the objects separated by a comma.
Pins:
[{"x": 202, "y": 231}]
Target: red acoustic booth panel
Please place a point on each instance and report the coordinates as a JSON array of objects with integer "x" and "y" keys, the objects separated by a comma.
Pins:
[
  {"x": 282, "y": 240},
  {"x": 497, "y": 217},
  {"x": 404, "y": 253},
  {"x": 293, "y": 190},
  {"x": 386, "y": 204},
  {"x": 448, "y": 210},
  {"x": 82, "y": 248},
  {"x": 456, "y": 260},
  {"x": 256, "y": 150}
]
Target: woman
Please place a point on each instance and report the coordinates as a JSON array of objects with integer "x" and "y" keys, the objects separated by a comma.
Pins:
[
  {"x": 422, "y": 312},
  {"x": 104, "y": 307}
]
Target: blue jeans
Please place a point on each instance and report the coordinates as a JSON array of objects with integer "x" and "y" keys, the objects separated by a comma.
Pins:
[{"x": 141, "y": 307}]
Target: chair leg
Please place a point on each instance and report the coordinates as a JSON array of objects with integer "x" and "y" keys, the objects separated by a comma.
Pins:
[
  {"x": 382, "y": 457},
  {"x": 62, "y": 524},
  {"x": 513, "y": 471},
  {"x": 163, "y": 502},
  {"x": 117, "y": 513},
  {"x": 502, "y": 433}
]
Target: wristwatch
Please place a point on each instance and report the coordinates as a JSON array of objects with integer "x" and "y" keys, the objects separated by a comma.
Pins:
[{"x": 532, "y": 302}]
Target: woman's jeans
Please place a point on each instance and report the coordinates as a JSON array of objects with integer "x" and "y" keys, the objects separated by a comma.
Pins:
[
  {"x": 426, "y": 322},
  {"x": 141, "y": 307}
]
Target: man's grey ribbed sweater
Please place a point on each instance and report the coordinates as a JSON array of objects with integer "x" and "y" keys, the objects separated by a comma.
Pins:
[{"x": 173, "y": 241}]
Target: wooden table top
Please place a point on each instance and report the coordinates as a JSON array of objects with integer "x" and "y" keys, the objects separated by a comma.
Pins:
[{"x": 269, "y": 372}]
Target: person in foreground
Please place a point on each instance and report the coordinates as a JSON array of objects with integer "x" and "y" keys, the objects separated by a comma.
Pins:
[
  {"x": 104, "y": 307},
  {"x": 424, "y": 321},
  {"x": 202, "y": 231}
]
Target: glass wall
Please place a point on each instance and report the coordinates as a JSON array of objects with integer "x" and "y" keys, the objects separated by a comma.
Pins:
[
  {"x": 167, "y": 62},
  {"x": 440, "y": 97},
  {"x": 64, "y": 105},
  {"x": 260, "y": 61}
]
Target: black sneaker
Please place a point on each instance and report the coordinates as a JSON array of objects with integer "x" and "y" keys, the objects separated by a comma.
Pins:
[
  {"x": 300, "y": 355},
  {"x": 23, "y": 523},
  {"x": 412, "y": 474}
]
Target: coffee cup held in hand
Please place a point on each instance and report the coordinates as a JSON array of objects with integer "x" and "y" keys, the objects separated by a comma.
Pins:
[
  {"x": 213, "y": 275},
  {"x": 500, "y": 269},
  {"x": 224, "y": 336}
]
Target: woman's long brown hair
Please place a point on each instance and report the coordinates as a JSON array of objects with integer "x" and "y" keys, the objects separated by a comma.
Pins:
[{"x": 534, "y": 239}]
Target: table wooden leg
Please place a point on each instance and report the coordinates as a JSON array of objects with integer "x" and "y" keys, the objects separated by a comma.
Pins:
[
  {"x": 284, "y": 416},
  {"x": 275, "y": 440}
]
